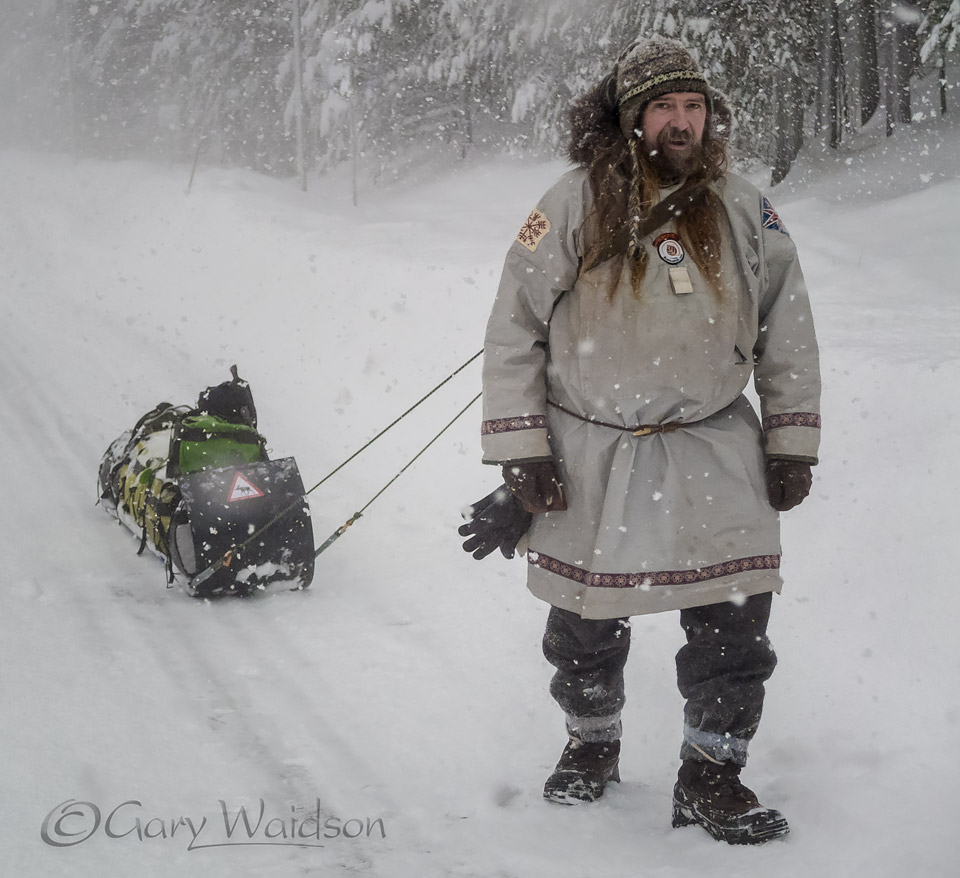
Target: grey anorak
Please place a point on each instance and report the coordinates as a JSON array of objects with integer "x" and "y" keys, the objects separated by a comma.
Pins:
[{"x": 664, "y": 520}]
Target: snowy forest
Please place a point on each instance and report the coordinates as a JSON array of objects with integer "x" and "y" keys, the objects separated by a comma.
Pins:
[{"x": 294, "y": 87}]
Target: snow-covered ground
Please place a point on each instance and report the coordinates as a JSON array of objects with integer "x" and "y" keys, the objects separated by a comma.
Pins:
[{"x": 407, "y": 685}]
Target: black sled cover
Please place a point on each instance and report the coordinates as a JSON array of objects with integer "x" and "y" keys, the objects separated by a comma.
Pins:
[{"x": 221, "y": 509}]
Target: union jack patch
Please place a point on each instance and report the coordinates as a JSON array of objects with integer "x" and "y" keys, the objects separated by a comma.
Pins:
[
  {"x": 771, "y": 219},
  {"x": 536, "y": 226}
]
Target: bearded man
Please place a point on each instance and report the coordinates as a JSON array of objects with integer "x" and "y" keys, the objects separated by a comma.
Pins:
[{"x": 639, "y": 297}]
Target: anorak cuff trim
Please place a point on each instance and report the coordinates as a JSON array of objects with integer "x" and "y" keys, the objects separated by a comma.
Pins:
[
  {"x": 791, "y": 419},
  {"x": 712, "y": 746},
  {"x": 791, "y": 441},
  {"x": 511, "y": 425},
  {"x": 649, "y": 579},
  {"x": 527, "y": 443}
]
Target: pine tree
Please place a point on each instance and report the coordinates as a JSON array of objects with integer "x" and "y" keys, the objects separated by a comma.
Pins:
[{"x": 940, "y": 31}]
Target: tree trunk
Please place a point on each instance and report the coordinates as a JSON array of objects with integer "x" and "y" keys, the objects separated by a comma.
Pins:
[
  {"x": 831, "y": 77},
  {"x": 906, "y": 64},
  {"x": 69, "y": 76},
  {"x": 868, "y": 62},
  {"x": 898, "y": 59},
  {"x": 466, "y": 143},
  {"x": 788, "y": 133},
  {"x": 355, "y": 152},
  {"x": 943, "y": 83},
  {"x": 298, "y": 95}
]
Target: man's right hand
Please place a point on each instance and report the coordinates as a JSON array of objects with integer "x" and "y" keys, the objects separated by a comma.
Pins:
[
  {"x": 536, "y": 484},
  {"x": 788, "y": 483}
]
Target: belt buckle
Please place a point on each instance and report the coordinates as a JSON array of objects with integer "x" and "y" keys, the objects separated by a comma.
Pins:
[{"x": 644, "y": 431}]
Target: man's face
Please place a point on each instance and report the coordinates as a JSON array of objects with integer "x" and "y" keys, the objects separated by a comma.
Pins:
[{"x": 672, "y": 127}]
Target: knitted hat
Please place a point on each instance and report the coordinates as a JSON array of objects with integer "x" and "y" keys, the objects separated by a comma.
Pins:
[{"x": 650, "y": 68}]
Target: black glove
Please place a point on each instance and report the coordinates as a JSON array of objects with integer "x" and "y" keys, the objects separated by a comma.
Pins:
[
  {"x": 536, "y": 484},
  {"x": 495, "y": 522},
  {"x": 788, "y": 482}
]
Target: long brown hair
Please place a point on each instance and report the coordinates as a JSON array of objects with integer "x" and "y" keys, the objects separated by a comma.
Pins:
[{"x": 623, "y": 182}]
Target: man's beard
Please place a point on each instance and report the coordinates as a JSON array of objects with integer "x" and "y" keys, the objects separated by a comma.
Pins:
[{"x": 673, "y": 165}]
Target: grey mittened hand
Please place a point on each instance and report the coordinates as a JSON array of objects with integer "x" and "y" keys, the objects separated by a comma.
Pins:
[
  {"x": 788, "y": 483},
  {"x": 495, "y": 522},
  {"x": 536, "y": 484}
]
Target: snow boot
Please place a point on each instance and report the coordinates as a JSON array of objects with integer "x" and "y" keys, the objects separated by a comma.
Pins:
[
  {"x": 583, "y": 772},
  {"x": 712, "y": 796}
]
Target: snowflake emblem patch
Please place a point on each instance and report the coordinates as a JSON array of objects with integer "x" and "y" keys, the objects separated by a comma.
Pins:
[
  {"x": 536, "y": 226},
  {"x": 771, "y": 219}
]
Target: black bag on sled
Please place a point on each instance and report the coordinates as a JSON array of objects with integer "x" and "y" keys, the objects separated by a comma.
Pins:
[{"x": 197, "y": 487}]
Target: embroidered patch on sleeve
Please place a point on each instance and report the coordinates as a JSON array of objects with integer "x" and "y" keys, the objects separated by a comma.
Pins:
[
  {"x": 536, "y": 226},
  {"x": 771, "y": 219}
]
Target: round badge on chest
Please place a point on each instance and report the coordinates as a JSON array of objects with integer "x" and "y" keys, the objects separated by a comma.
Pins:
[{"x": 669, "y": 247}]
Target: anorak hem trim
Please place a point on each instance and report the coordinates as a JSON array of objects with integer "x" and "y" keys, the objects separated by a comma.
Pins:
[{"x": 649, "y": 579}]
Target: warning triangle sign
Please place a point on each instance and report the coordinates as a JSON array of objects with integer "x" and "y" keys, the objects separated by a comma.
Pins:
[{"x": 243, "y": 489}]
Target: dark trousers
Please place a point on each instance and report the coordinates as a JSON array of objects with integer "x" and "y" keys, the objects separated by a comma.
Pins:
[{"x": 720, "y": 672}]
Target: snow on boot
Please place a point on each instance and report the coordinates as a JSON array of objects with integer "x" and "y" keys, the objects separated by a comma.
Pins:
[
  {"x": 583, "y": 772},
  {"x": 712, "y": 796}
]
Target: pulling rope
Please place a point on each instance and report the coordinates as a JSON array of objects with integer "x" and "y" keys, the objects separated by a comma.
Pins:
[
  {"x": 227, "y": 557},
  {"x": 422, "y": 399},
  {"x": 340, "y": 531}
]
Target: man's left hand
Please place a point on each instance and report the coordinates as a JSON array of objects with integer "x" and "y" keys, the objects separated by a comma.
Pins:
[
  {"x": 498, "y": 521},
  {"x": 788, "y": 483}
]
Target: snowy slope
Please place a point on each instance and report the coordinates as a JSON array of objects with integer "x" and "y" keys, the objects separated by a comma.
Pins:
[{"x": 407, "y": 684}]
